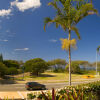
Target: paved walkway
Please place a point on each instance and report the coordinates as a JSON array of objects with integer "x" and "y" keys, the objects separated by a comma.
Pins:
[{"x": 17, "y": 95}]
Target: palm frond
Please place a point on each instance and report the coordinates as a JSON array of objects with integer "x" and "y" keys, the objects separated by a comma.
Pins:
[
  {"x": 76, "y": 31},
  {"x": 47, "y": 20},
  {"x": 54, "y": 4},
  {"x": 98, "y": 48},
  {"x": 84, "y": 10}
]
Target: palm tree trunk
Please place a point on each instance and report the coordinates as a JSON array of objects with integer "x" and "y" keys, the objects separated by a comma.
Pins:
[
  {"x": 69, "y": 58},
  {"x": 90, "y": 1}
]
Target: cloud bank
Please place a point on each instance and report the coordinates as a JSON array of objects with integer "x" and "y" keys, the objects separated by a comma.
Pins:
[{"x": 22, "y": 6}]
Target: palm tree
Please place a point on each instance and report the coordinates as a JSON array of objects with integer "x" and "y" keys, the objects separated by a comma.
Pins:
[
  {"x": 97, "y": 51},
  {"x": 68, "y": 14}
]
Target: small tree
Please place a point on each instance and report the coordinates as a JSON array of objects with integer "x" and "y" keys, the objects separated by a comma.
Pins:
[{"x": 36, "y": 66}]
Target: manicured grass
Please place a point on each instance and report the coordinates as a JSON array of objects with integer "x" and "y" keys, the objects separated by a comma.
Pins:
[{"x": 48, "y": 77}]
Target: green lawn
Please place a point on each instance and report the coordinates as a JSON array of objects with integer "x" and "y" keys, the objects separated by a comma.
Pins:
[{"x": 48, "y": 77}]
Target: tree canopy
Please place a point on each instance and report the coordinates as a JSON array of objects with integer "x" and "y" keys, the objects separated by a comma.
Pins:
[
  {"x": 36, "y": 66},
  {"x": 75, "y": 68},
  {"x": 57, "y": 61},
  {"x": 11, "y": 63},
  {"x": 3, "y": 69}
]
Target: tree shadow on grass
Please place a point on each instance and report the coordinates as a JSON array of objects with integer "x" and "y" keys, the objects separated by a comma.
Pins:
[
  {"x": 46, "y": 75},
  {"x": 42, "y": 75}
]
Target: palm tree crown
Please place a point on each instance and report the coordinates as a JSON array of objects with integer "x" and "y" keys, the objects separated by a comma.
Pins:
[
  {"x": 69, "y": 13},
  {"x": 98, "y": 48}
]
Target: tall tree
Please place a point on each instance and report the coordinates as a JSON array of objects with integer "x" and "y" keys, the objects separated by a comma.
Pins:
[
  {"x": 68, "y": 14},
  {"x": 1, "y": 58}
]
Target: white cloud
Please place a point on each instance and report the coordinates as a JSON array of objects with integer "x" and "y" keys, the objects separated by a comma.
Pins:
[
  {"x": 5, "y": 12},
  {"x": 4, "y": 40},
  {"x": 26, "y": 4},
  {"x": 53, "y": 40},
  {"x": 7, "y": 31},
  {"x": 21, "y": 49},
  {"x": 22, "y": 6}
]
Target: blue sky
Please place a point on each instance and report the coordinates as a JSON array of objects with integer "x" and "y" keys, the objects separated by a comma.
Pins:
[{"x": 22, "y": 36}]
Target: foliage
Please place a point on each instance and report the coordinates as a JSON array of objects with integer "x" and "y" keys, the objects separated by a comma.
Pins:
[
  {"x": 12, "y": 71},
  {"x": 3, "y": 69},
  {"x": 1, "y": 58},
  {"x": 57, "y": 62},
  {"x": 98, "y": 48},
  {"x": 59, "y": 70},
  {"x": 11, "y": 63},
  {"x": 69, "y": 13},
  {"x": 80, "y": 62},
  {"x": 31, "y": 96},
  {"x": 36, "y": 66},
  {"x": 74, "y": 68}
]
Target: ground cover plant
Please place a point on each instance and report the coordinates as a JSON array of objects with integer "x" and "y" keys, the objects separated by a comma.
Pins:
[{"x": 88, "y": 91}]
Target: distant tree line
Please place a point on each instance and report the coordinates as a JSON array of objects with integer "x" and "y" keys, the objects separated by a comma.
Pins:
[{"x": 37, "y": 66}]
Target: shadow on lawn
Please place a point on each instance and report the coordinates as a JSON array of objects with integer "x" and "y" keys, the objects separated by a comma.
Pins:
[
  {"x": 46, "y": 75},
  {"x": 42, "y": 75}
]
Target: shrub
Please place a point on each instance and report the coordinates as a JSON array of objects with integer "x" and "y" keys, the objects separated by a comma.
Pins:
[{"x": 3, "y": 69}]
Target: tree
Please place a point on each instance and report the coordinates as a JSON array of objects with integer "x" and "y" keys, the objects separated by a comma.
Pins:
[
  {"x": 75, "y": 68},
  {"x": 36, "y": 66},
  {"x": 12, "y": 71},
  {"x": 68, "y": 14},
  {"x": 3, "y": 69},
  {"x": 1, "y": 58},
  {"x": 57, "y": 61},
  {"x": 80, "y": 62},
  {"x": 11, "y": 63}
]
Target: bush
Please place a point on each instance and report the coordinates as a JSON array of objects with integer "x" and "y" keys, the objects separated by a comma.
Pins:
[
  {"x": 12, "y": 71},
  {"x": 3, "y": 69},
  {"x": 75, "y": 69}
]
